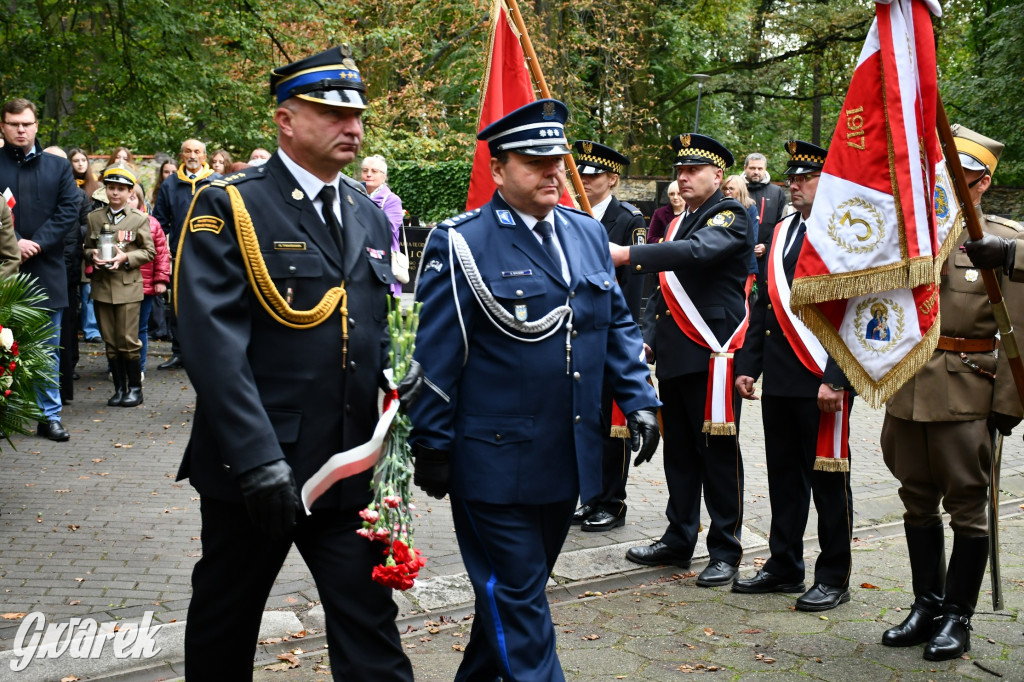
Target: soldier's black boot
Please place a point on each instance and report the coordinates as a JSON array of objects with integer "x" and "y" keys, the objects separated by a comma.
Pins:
[
  {"x": 928, "y": 568},
  {"x": 963, "y": 581},
  {"x": 120, "y": 382},
  {"x": 133, "y": 396}
]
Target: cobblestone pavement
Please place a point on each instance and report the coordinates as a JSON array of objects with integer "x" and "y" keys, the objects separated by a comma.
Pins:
[{"x": 98, "y": 526}]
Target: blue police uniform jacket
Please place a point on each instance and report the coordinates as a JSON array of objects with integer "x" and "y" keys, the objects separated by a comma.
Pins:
[{"x": 523, "y": 426}]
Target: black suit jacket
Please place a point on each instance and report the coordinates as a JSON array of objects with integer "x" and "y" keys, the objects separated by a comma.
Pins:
[
  {"x": 710, "y": 256},
  {"x": 625, "y": 225},
  {"x": 265, "y": 390},
  {"x": 766, "y": 348}
]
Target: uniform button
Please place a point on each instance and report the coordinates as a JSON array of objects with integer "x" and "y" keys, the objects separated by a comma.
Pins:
[
  {"x": 497, "y": 436},
  {"x": 352, "y": 365},
  {"x": 576, "y": 376},
  {"x": 351, "y": 321},
  {"x": 769, "y": 306},
  {"x": 227, "y": 467},
  {"x": 292, "y": 269},
  {"x": 639, "y": 268},
  {"x": 572, "y": 294},
  {"x": 767, "y": 332},
  {"x": 578, "y": 419},
  {"x": 668, "y": 313},
  {"x": 348, "y": 409},
  {"x": 575, "y": 333},
  {"x": 657, "y": 317},
  {"x": 607, "y": 283},
  {"x": 519, "y": 292}
]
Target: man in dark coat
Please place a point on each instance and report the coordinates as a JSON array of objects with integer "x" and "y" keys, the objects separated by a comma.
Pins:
[
  {"x": 45, "y": 211},
  {"x": 693, "y": 324},
  {"x": 770, "y": 202},
  {"x": 600, "y": 167},
  {"x": 511, "y": 420},
  {"x": 280, "y": 389},
  {"x": 802, "y": 386}
]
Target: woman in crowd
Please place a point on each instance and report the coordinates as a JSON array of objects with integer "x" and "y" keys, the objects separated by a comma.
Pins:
[
  {"x": 84, "y": 177},
  {"x": 375, "y": 177},
  {"x": 121, "y": 155},
  {"x": 220, "y": 162},
  {"x": 735, "y": 187},
  {"x": 167, "y": 169},
  {"x": 663, "y": 217},
  {"x": 156, "y": 274}
]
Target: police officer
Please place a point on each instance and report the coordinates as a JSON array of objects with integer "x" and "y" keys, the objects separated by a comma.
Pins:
[
  {"x": 521, "y": 296},
  {"x": 281, "y": 292},
  {"x": 801, "y": 385},
  {"x": 704, "y": 270},
  {"x": 117, "y": 282},
  {"x": 600, "y": 167},
  {"x": 938, "y": 428}
]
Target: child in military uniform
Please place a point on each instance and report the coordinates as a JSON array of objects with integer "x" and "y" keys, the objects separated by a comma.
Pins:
[{"x": 117, "y": 282}]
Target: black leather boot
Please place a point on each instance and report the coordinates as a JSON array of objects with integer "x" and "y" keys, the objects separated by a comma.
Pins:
[
  {"x": 928, "y": 568},
  {"x": 963, "y": 581},
  {"x": 133, "y": 396},
  {"x": 120, "y": 382}
]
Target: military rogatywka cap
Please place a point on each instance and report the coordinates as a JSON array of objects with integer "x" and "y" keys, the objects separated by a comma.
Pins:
[
  {"x": 594, "y": 157},
  {"x": 537, "y": 129},
  {"x": 119, "y": 174},
  {"x": 330, "y": 77},
  {"x": 804, "y": 157},
  {"x": 977, "y": 152},
  {"x": 693, "y": 149}
]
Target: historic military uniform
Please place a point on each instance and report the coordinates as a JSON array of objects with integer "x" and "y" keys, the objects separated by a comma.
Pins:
[
  {"x": 707, "y": 255},
  {"x": 625, "y": 226},
  {"x": 513, "y": 399},
  {"x": 283, "y": 319},
  {"x": 937, "y": 439},
  {"x": 792, "y": 422},
  {"x": 10, "y": 254},
  {"x": 117, "y": 293}
]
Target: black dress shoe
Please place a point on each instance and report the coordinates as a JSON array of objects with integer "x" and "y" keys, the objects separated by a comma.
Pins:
[
  {"x": 764, "y": 582},
  {"x": 658, "y": 554},
  {"x": 173, "y": 363},
  {"x": 53, "y": 430},
  {"x": 582, "y": 514},
  {"x": 602, "y": 520},
  {"x": 823, "y": 597},
  {"x": 717, "y": 573}
]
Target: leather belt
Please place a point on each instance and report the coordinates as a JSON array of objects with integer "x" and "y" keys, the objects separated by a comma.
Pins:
[{"x": 961, "y": 345}]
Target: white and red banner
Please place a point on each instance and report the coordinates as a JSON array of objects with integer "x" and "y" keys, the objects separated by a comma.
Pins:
[{"x": 865, "y": 282}]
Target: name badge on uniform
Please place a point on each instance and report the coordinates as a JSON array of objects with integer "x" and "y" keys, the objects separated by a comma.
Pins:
[
  {"x": 516, "y": 273},
  {"x": 289, "y": 246},
  {"x": 521, "y": 312},
  {"x": 505, "y": 217}
]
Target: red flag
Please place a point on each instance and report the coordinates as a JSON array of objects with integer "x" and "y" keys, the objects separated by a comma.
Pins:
[{"x": 506, "y": 87}]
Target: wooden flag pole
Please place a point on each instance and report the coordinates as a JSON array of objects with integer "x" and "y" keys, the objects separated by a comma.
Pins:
[
  {"x": 538, "y": 78},
  {"x": 972, "y": 214}
]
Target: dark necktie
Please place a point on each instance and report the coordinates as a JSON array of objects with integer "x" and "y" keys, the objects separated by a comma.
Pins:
[
  {"x": 797, "y": 236},
  {"x": 327, "y": 195},
  {"x": 544, "y": 229},
  {"x": 191, "y": 176}
]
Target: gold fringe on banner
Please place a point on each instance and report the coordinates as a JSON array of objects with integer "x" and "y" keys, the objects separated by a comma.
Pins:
[
  {"x": 718, "y": 429},
  {"x": 922, "y": 271},
  {"x": 832, "y": 287},
  {"x": 831, "y": 464},
  {"x": 947, "y": 246}
]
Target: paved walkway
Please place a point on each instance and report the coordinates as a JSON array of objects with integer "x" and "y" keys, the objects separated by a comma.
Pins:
[{"x": 98, "y": 526}]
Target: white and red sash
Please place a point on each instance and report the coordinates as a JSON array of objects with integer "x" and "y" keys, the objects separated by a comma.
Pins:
[
  {"x": 719, "y": 418},
  {"x": 832, "y": 453}
]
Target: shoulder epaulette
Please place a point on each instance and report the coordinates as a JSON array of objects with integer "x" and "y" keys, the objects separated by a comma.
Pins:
[
  {"x": 460, "y": 220},
  {"x": 354, "y": 185},
  {"x": 240, "y": 176},
  {"x": 632, "y": 209},
  {"x": 1005, "y": 222},
  {"x": 573, "y": 209}
]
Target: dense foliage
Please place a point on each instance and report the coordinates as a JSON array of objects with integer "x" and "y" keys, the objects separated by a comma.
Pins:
[{"x": 150, "y": 73}]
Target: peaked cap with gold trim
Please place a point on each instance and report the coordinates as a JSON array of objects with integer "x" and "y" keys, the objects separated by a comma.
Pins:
[
  {"x": 977, "y": 152},
  {"x": 330, "y": 77},
  {"x": 693, "y": 149},
  {"x": 594, "y": 157},
  {"x": 804, "y": 157},
  {"x": 119, "y": 174}
]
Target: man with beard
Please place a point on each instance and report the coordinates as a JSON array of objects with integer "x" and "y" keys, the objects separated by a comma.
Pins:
[{"x": 770, "y": 202}]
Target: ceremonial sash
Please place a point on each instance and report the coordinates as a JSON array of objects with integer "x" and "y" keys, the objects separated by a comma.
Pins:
[
  {"x": 719, "y": 419},
  {"x": 832, "y": 451}
]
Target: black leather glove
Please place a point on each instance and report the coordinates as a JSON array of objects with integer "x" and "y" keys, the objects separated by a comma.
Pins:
[
  {"x": 433, "y": 470},
  {"x": 1003, "y": 422},
  {"x": 272, "y": 498},
  {"x": 411, "y": 384},
  {"x": 992, "y": 252},
  {"x": 643, "y": 434}
]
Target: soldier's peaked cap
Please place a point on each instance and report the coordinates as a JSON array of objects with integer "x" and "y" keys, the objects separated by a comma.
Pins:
[
  {"x": 976, "y": 151},
  {"x": 330, "y": 77},
  {"x": 537, "y": 129},
  {"x": 804, "y": 157},
  {"x": 594, "y": 157},
  {"x": 119, "y": 174},
  {"x": 693, "y": 149}
]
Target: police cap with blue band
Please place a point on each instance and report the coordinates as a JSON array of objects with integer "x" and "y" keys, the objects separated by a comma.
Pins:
[
  {"x": 536, "y": 129},
  {"x": 330, "y": 77},
  {"x": 693, "y": 149}
]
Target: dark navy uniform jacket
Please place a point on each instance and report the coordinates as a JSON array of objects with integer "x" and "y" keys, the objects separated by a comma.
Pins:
[
  {"x": 625, "y": 225},
  {"x": 521, "y": 429},
  {"x": 710, "y": 255},
  {"x": 266, "y": 390}
]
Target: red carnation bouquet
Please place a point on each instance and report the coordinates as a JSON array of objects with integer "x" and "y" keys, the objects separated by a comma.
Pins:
[{"x": 388, "y": 518}]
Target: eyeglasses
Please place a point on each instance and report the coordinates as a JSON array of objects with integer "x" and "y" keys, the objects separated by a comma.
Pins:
[
  {"x": 373, "y": 171},
  {"x": 801, "y": 179},
  {"x": 20, "y": 125}
]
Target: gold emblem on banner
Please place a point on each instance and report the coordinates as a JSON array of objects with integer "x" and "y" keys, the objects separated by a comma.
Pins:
[{"x": 856, "y": 226}]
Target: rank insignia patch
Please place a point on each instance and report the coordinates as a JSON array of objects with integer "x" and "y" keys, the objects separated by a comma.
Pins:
[
  {"x": 639, "y": 236},
  {"x": 206, "y": 223},
  {"x": 434, "y": 264},
  {"x": 723, "y": 219},
  {"x": 505, "y": 217}
]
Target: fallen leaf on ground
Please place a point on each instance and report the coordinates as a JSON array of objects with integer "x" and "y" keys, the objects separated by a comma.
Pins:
[
  {"x": 591, "y": 637},
  {"x": 458, "y": 647},
  {"x": 869, "y": 586},
  {"x": 13, "y": 616},
  {"x": 750, "y": 631},
  {"x": 708, "y": 631}
]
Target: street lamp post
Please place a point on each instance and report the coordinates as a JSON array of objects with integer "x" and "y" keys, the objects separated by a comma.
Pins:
[{"x": 700, "y": 78}]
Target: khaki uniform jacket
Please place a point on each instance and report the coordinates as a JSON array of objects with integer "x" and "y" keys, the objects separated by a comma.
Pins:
[
  {"x": 123, "y": 285},
  {"x": 946, "y": 389},
  {"x": 10, "y": 252}
]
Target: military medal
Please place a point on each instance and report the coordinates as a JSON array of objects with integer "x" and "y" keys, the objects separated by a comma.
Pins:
[{"x": 971, "y": 275}]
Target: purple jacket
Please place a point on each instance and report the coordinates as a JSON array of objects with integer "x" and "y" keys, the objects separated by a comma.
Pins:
[{"x": 389, "y": 202}]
